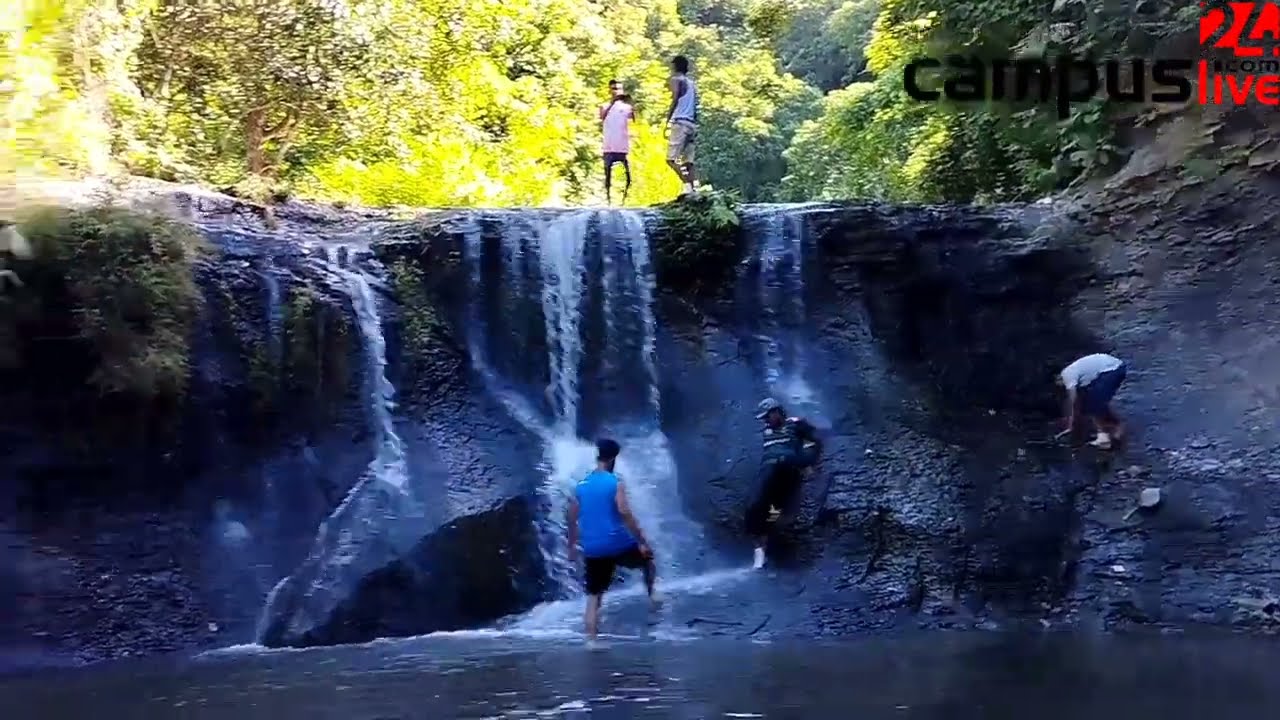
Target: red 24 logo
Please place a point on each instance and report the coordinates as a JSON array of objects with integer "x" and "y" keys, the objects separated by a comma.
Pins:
[{"x": 1267, "y": 23}]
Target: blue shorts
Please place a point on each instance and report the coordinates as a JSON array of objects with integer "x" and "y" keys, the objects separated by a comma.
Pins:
[{"x": 1096, "y": 396}]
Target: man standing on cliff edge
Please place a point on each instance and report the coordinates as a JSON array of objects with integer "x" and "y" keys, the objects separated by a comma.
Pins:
[
  {"x": 682, "y": 122},
  {"x": 615, "y": 119},
  {"x": 611, "y": 536}
]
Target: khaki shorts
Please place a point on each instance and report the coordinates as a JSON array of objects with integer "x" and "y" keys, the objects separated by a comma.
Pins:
[{"x": 680, "y": 142}]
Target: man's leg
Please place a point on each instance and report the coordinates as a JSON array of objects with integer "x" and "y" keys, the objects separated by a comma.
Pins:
[
  {"x": 758, "y": 514},
  {"x": 633, "y": 560},
  {"x": 790, "y": 478},
  {"x": 608, "y": 179},
  {"x": 626, "y": 168},
  {"x": 599, "y": 574},
  {"x": 675, "y": 151},
  {"x": 688, "y": 154},
  {"x": 592, "y": 619},
  {"x": 1097, "y": 405}
]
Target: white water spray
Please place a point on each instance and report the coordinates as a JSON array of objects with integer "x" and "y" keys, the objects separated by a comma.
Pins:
[
  {"x": 783, "y": 311},
  {"x": 389, "y": 464},
  {"x": 646, "y": 464},
  {"x": 368, "y": 506}
]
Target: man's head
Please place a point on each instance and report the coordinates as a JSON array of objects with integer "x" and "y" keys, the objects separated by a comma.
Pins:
[
  {"x": 607, "y": 453},
  {"x": 771, "y": 412},
  {"x": 680, "y": 64},
  {"x": 615, "y": 88}
]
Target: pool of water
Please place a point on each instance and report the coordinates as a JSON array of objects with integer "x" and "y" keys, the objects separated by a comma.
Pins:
[{"x": 956, "y": 676}]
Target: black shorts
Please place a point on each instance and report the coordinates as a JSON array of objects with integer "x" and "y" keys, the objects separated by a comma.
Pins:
[
  {"x": 610, "y": 158},
  {"x": 600, "y": 570}
]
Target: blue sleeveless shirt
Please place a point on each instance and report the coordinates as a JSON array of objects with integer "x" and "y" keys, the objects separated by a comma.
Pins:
[{"x": 600, "y": 523}]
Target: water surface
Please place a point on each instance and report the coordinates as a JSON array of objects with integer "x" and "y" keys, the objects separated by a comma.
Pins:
[{"x": 970, "y": 676}]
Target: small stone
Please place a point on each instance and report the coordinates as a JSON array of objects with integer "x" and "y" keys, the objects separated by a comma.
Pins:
[
  {"x": 1138, "y": 471},
  {"x": 991, "y": 412},
  {"x": 1117, "y": 569},
  {"x": 1022, "y": 452},
  {"x": 213, "y": 627},
  {"x": 1200, "y": 443},
  {"x": 1149, "y": 498},
  {"x": 868, "y": 452}
]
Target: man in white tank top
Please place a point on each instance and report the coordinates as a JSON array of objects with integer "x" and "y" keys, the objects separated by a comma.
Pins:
[
  {"x": 615, "y": 117},
  {"x": 1090, "y": 383},
  {"x": 682, "y": 122}
]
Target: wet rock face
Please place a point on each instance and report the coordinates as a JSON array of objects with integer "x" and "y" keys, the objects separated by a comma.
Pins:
[
  {"x": 932, "y": 335},
  {"x": 174, "y": 542},
  {"x": 928, "y": 496},
  {"x": 941, "y": 500},
  {"x": 466, "y": 573}
]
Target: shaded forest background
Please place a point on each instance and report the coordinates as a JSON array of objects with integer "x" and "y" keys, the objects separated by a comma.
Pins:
[{"x": 492, "y": 102}]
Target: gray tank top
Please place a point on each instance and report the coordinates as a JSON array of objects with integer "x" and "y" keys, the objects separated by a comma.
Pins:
[{"x": 687, "y": 104}]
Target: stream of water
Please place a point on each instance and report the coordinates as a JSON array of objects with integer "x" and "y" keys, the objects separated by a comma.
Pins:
[{"x": 570, "y": 294}]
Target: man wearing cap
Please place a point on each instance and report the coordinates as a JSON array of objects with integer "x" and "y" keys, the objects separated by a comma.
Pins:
[
  {"x": 790, "y": 446},
  {"x": 610, "y": 536}
]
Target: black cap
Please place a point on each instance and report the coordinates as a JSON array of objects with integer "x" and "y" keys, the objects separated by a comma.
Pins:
[{"x": 607, "y": 449}]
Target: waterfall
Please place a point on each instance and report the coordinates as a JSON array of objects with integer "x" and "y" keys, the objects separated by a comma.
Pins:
[
  {"x": 389, "y": 463},
  {"x": 560, "y": 250},
  {"x": 780, "y": 306},
  {"x": 564, "y": 282},
  {"x": 381, "y": 503},
  {"x": 275, "y": 316}
]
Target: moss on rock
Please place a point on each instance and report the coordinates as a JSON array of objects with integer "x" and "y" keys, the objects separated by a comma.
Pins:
[
  {"x": 420, "y": 325},
  {"x": 698, "y": 242},
  {"x": 317, "y": 339},
  {"x": 110, "y": 292}
]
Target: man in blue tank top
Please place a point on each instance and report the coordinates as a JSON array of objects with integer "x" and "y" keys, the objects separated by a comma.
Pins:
[{"x": 600, "y": 518}]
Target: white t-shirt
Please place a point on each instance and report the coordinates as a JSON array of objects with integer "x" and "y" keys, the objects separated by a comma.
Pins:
[
  {"x": 617, "y": 127},
  {"x": 1088, "y": 368}
]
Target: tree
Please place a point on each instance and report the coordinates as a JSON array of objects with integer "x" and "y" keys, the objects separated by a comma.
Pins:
[{"x": 258, "y": 75}]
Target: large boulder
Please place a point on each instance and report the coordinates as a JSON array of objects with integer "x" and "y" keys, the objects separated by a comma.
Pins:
[{"x": 467, "y": 572}]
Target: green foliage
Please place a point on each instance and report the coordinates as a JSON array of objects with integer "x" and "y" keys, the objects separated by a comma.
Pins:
[
  {"x": 871, "y": 140},
  {"x": 118, "y": 287},
  {"x": 494, "y": 102},
  {"x": 413, "y": 102},
  {"x": 698, "y": 242},
  {"x": 420, "y": 326},
  {"x": 317, "y": 344}
]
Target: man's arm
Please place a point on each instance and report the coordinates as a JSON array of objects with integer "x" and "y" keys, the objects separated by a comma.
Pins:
[
  {"x": 674, "y": 85},
  {"x": 1070, "y": 412},
  {"x": 571, "y": 520},
  {"x": 629, "y": 518}
]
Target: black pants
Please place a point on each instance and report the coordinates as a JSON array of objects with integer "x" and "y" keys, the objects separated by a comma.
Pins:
[
  {"x": 778, "y": 486},
  {"x": 609, "y": 160}
]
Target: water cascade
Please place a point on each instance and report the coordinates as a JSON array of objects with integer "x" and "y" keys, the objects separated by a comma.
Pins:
[
  {"x": 772, "y": 288},
  {"x": 382, "y": 506},
  {"x": 593, "y": 370}
]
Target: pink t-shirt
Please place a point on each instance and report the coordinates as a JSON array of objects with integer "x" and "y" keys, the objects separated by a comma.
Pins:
[{"x": 617, "y": 126}]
